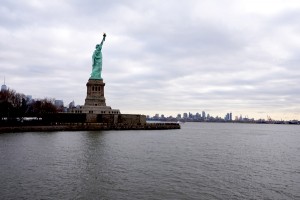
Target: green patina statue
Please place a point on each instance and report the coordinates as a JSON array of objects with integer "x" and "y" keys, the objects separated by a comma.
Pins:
[{"x": 97, "y": 61}]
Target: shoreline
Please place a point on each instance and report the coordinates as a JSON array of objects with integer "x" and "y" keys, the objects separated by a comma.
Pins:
[{"x": 89, "y": 127}]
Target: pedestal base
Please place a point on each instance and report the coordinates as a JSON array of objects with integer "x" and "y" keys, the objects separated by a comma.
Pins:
[
  {"x": 95, "y": 100},
  {"x": 95, "y": 93},
  {"x": 99, "y": 110}
]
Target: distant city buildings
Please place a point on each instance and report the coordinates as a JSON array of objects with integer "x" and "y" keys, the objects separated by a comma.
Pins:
[{"x": 204, "y": 117}]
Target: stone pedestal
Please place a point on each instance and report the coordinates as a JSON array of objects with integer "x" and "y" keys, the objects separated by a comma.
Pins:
[
  {"x": 95, "y": 100},
  {"x": 95, "y": 93}
]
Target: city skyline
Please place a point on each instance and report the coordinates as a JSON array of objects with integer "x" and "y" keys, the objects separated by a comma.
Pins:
[
  {"x": 186, "y": 115},
  {"x": 203, "y": 115},
  {"x": 206, "y": 116},
  {"x": 159, "y": 57}
]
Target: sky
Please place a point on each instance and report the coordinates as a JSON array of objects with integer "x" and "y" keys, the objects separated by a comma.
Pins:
[{"x": 165, "y": 57}]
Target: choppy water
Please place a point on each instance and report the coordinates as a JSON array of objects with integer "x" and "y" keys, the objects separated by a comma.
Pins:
[{"x": 199, "y": 161}]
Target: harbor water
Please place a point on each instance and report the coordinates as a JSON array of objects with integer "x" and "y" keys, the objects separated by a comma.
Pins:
[{"x": 198, "y": 161}]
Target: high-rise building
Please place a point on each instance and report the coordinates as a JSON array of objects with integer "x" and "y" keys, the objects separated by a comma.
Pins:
[
  {"x": 203, "y": 115},
  {"x": 185, "y": 115},
  {"x": 198, "y": 116},
  {"x": 59, "y": 103},
  {"x": 228, "y": 117},
  {"x": 3, "y": 87}
]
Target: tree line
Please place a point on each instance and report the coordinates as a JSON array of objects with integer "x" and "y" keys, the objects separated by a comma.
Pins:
[{"x": 16, "y": 106}]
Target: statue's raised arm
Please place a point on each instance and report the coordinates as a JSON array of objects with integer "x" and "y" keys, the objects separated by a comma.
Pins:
[
  {"x": 97, "y": 60},
  {"x": 104, "y": 35}
]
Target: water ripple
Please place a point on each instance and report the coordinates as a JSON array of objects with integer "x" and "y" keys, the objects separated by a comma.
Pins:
[{"x": 199, "y": 161}]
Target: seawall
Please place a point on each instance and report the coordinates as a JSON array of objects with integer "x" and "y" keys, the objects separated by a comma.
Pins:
[{"x": 89, "y": 127}]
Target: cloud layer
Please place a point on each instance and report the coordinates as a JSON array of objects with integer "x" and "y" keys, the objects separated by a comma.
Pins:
[{"x": 159, "y": 56}]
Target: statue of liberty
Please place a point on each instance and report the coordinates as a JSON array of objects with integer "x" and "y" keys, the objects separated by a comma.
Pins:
[{"x": 97, "y": 61}]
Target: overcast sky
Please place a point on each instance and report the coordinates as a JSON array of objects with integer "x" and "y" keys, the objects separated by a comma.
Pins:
[{"x": 166, "y": 57}]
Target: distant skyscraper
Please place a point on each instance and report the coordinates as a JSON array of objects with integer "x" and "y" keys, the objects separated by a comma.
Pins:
[
  {"x": 3, "y": 87},
  {"x": 185, "y": 115},
  {"x": 59, "y": 103},
  {"x": 203, "y": 115},
  {"x": 226, "y": 118},
  {"x": 178, "y": 116}
]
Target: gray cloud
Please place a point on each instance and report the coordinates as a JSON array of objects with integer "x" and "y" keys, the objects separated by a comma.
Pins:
[{"x": 159, "y": 57}]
